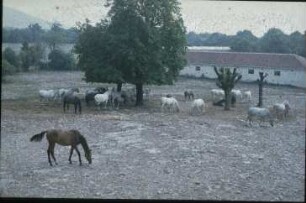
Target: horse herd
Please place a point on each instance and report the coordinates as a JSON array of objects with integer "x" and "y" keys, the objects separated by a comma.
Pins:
[
  {"x": 103, "y": 96},
  {"x": 100, "y": 96}
]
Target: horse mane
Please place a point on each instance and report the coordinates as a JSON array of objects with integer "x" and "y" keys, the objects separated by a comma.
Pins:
[{"x": 84, "y": 143}]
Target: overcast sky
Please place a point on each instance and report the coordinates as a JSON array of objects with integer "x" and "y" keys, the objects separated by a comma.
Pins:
[{"x": 199, "y": 15}]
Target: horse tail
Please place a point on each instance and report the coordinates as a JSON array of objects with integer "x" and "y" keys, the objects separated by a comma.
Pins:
[{"x": 38, "y": 137}]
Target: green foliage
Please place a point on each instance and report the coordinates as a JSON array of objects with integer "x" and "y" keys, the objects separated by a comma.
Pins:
[
  {"x": 61, "y": 61},
  {"x": 36, "y": 53},
  {"x": 208, "y": 39},
  {"x": 35, "y": 33},
  {"x": 25, "y": 56},
  {"x": 244, "y": 41},
  {"x": 274, "y": 41},
  {"x": 31, "y": 55},
  {"x": 7, "y": 68},
  {"x": 297, "y": 43},
  {"x": 55, "y": 36},
  {"x": 226, "y": 80},
  {"x": 11, "y": 57}
]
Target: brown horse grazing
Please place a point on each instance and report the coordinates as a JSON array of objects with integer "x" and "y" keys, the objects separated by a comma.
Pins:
[{"x": 64, "y": 138}]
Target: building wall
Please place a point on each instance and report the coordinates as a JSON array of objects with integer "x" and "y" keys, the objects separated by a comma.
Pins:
[{"x": 285, "y": 77}]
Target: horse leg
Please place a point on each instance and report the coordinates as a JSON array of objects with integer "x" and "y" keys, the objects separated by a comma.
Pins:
[
  {"x": 80, "y": 108},
  {"x": 105, "y": 104},
  {"x": 64, "y": 105},
  {"x": 76, "y": 149},
  {"x": 249, "y": 119},
  {"x": 49, "y": 152},
  {"x": 71, "y": 151},
  {"x": 198, "y": 109},
  {"x": 118, "y": 105},
  {"x": 52, "y": 153}
]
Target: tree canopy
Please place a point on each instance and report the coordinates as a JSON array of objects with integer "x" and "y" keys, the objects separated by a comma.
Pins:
[
  {"x": 244, "y": 41},
  {"x": 140, "y": 42},
  {"x": 275, "y": 41}
]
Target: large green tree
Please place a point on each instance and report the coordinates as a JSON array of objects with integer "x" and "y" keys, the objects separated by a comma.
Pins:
[{"x": 141, "y": 42}]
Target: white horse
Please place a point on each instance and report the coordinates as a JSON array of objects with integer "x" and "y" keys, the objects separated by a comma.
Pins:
[
  {"x": 199, "y": 105},
  {"x": 281, "y": 109},
  {"x": 147, "y": 93},
  {"x": 262, "y": 114},
  {"x": 171, "y": 103},
  {"x": 237, "y": 93},
  {"x": 48, "y": 94},
  {"x": 102, "y": 98},
  {"x": 217, "y": 94},
  {"x": 247, "y": 95},
  {"x": 117, "y": 97}
]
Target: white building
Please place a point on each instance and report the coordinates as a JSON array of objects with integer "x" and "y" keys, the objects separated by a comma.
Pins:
[{"x": 283, "y": 69}]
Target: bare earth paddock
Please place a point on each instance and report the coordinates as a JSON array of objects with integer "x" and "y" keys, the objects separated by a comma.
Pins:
[{"x": 142, "y": 153}]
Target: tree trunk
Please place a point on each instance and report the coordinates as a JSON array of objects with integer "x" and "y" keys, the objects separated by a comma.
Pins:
[
  {"x": 260, "y": 95},
  {"x": 119, "y": 86},
  {"x": 228, "y": 99},
  {"x": 260, "y": 85},
  {"x": 139, "y": 94}
]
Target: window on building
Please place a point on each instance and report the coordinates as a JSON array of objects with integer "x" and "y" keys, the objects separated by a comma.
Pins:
[
  {"x": 277, "y": 73},
  {"x": 198, "y": 68},
  {"x": 251, "y": 71}
]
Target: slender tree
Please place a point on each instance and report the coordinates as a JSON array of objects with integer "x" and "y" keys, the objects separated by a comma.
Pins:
[
  {"x": 260, "y": 81},
  {"x": 226, "y": 80}
]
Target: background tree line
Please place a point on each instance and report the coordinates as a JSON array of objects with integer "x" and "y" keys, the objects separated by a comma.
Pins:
[
  {"x": 273, "y": 41},
  {"x": 34, "y": 33},
  {"x": 35, "y": 41}
]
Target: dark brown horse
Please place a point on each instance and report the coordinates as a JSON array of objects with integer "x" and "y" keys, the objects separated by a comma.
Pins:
[
  {"x": 188, "y": 95},
  {"x": 65, "y": 138},
  {"x": 72, "y": 99}
]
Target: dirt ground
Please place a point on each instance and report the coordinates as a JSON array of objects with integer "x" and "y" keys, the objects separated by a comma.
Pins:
[{"x": 143, "y": 153}]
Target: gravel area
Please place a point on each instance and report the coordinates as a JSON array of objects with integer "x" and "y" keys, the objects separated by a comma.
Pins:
[{"x": 143, "y": 153}]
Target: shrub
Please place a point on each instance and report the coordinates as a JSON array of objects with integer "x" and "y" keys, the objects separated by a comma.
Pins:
[
  {"x": 10, "y": 56},
  {"x": 7, "y": 68},
  {"x": 61, "y": 61}
]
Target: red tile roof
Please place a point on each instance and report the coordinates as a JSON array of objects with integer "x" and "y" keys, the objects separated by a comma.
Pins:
[{"x": 243, "y": 59}]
